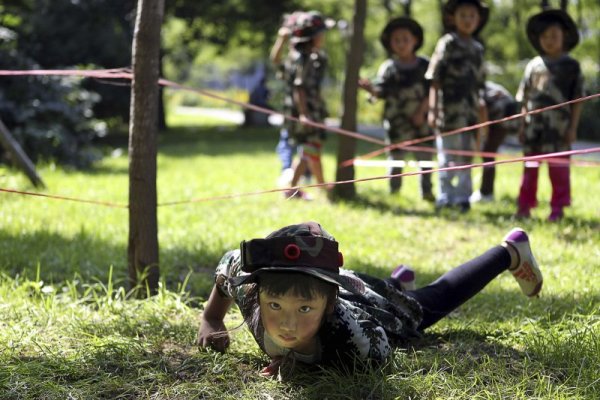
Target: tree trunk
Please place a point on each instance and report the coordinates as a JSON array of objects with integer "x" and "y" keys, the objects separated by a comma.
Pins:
[
  {"x": 347, "y": 145},
  {"x": 544, "y": 4},
  {"x": 564, "y": 4},
  {"x": 143, "y": 129}
]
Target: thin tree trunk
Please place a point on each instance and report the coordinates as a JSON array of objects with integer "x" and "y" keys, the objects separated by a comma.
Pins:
[
  {"x": 564, "y": 4},
  {"x": 143, "y": 130},
  {"x": 347, "y": 145}
]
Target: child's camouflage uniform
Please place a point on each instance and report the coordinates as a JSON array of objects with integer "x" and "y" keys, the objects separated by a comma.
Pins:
[
  {"x": 548, "y": 82},
  {"x": 545, "y": 83},
  {"x": 362, "y": 327},
  {"x": 403, "y": 87},
  {"x": 457, "y": 66},
  {"x": 306, "y": 71}
]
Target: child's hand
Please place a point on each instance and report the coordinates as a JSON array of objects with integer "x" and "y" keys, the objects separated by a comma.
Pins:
[
  {"x": 213, "y": 333},
  {"x": 365, "y": 84},
  {"x": 418, "y": 119},
  {"x": 571, "y": 136},
  {"x": 273, "y": 368},
  {"x": 284, "y": 32},
  {"x": 431, "y": 119}
]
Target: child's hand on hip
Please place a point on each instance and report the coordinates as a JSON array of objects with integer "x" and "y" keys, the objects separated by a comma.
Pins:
[{"x": 213, "y": 333}]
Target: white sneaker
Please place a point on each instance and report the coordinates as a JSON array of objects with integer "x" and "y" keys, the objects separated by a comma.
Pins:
[
  {"x": 527, "y": 273},
  {"x": 285, "y": 178},
  {"x": 477, "y": 197}
]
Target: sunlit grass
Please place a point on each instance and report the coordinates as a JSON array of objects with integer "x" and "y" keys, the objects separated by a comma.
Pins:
[{"x": 69, "y": 330}]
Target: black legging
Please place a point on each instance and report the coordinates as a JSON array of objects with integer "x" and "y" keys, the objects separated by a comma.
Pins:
[{"x": 457, "y": 286}]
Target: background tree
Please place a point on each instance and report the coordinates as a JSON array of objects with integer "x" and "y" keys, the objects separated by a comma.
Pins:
[
  {"x": 143, "y": 225},
  {"x": 347, "y": 145}
]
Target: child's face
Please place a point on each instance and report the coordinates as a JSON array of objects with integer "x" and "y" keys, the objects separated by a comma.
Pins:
[
  {"x": 319, "y": 40},
  {"x": 402, "y": 43},
  {"x": 292, "y": 321},
  {"x": 466, "y": 19},
  {"x": 551, "y": 40}
]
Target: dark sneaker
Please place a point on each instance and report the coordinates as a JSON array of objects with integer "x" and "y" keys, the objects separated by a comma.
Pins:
[
  {"x": 527, "y": 273},
  {"x": 556, "y": 215},
  {"x": 464, "y": 207},
  {"x": 429, "y": 197},
  {"x": 523, "y": 213}
]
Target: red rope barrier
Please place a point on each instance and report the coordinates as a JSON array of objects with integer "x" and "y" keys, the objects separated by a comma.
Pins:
[
  {"x": 56, "y": 197},
  {"x": 540, "y": 158}
]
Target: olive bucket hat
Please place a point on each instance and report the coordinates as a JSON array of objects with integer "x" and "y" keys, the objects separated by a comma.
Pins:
[
  {"x": 303, "y": 248},
  {"x": 538, "y": 23},
  {"x": 398, "y": 23}
]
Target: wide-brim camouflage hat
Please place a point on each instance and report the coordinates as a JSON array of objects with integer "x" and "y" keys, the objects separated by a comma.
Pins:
[
  {"x": 397, "y": 23},
  {"x": 450, "y": 8},
  {"x": 303, "y": 248},
  {"x": 538, "y": 23}
]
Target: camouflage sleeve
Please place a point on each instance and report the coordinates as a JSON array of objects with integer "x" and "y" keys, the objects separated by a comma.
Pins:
[
  {"x": 381, "y": 83},
  {"x": 354, "y": 335},
  {"x": 437, "y": 63},
  {"x": 578, "y": 89},
  {"x": 524, "y": 86},
  {"x": 301, "y": 71},
  {"x": 229, "y": 267}
]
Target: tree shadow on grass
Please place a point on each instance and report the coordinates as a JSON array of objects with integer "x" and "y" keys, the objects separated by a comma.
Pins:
[{"x": 88, "y": 259}]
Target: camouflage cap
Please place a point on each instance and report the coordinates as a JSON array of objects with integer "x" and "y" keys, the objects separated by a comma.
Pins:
[
  {"x": 305, "y": 248},
  {"x": 538, "y": 23},
  {"x": 308, "y": 25}
]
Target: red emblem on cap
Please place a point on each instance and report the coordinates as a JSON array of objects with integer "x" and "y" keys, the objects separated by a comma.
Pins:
[{"x": 291, "y": 252}]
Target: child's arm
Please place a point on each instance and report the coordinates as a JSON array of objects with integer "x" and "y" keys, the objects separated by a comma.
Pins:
[
  {"x": 572, "y": 129},
  {"x": 418, "y": 117},
  {"x": 212, "y": 331},
  {"x": 282, "y": 38},
  {"x": 433, "y": 104},
  {"x": 300, "y": 100},
  {"x": 483, "y": 117}
]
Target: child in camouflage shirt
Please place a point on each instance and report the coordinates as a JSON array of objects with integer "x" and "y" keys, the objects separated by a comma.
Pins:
[
  {"x": 401, "y": 83},
  {"x": 457, "y": 79},
  {"x": 301, "y": 306},
  {"x": 551, "y": 78},
  {"x": 305, "y": 70}
]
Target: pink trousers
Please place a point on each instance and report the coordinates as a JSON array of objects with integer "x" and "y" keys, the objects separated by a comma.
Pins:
[{"x": 561, "y": 185}]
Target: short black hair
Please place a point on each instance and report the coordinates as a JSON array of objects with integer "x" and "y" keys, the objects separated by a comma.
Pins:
[{"x": 278, "y": 283}]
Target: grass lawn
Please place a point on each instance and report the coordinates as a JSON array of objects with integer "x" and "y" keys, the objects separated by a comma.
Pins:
[{"x": 69, "y": 331}]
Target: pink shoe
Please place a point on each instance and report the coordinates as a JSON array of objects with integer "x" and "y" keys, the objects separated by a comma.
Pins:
[
  {"x": 527, "y": 273},
  {"x": 403, "y": 278},
  {"x": 523, "y": 213}
]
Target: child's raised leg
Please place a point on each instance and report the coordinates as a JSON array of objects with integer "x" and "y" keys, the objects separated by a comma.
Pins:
[{"x": 457, "y": 286}]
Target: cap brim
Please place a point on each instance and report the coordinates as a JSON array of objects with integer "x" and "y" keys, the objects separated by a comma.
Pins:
[{"x": 346, "y": 282}]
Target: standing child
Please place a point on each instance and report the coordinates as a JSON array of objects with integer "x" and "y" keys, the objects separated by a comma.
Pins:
[
  {"x": 300, "y": 306},
  {"x": 401, "y": 83},
  {"x": 307, "y": 64},
  {"x": 285, "y": 150},
  {"x": 457, "y": 79},
  {"x": 499, "y": 104},
  {"x": 551, "y": 78}
]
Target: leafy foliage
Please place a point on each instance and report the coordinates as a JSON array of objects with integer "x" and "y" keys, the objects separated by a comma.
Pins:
[{"x": 50, "y": 117}]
